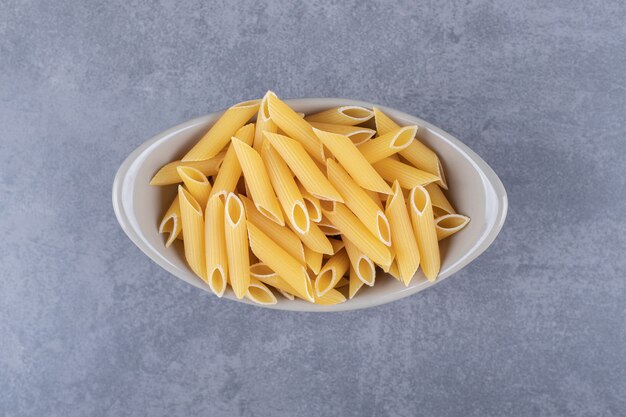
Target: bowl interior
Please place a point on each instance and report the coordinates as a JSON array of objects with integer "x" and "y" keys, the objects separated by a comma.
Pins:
[{"x": 475, "y": 191}]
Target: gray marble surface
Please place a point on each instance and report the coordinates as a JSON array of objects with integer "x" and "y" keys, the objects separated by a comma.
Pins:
[{"x": 535, "y": 327}]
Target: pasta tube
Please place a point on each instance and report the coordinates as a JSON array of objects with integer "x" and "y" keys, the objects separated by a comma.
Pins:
[
  {"x": 407, "y": 176},
  {"x": 236, "y": 245},
  {"x": 171, "y": 222},
  {"x": 424, "y": 228},
  {"x": 215, "y": 248},
  {"x": 193, "y": 228},
  {"x": 388, "y": 144},
  {"x": 196, "y": 183},
  {"x": 450, "y": 224},
  {"x": 357, "y": 134},
  {"x": 230, "y": 172},
  {"x": 344, "y": 115},
  {"x": 168, "y": 174}
]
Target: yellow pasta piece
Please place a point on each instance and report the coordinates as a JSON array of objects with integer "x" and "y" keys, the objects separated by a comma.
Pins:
[
  {"x": 344, "y": 115},
  {"x": 404, "y": 241},
  {"x": 258, "y": 181},
  {"x": 327, "y": 227},
  {"x": 418, "y": 154},
  {"x": 377, "y": 198},
  {"x": 363, "y": 266},
  {"x": 352, "y": 228},
  {"x": 285, "y": 238},
  {"x": 193, "y": 228},
  {"x": 316, "y": 239},
  {"x": 257, "y": 292},
  {"x": 353, "y": 161},
  {"x": 236, "y": 245},
  {"x": 196, "y": 183},
  {"x": 313, "y": 259},
  {"x": 286, "y": 189},
  {"x": 359, "y": 202},
  {"x": 303, "y": 167},
  {"x": 294, "y": 126},
  {"x": 388, "y": 144},
  {"x": 331, "y": 297},
  {"x": 264, "y": 274},
  {"x": 168, "y": 174},
  {"x": 437, "y": 212},
  {"x": 355, "y": 283},
  {"x": 337, "y": 245},
  {"x": 450, "y": 224},
  {"x": 263, "y": 123},
  {"x": 424, "y": 228},
  {"x": 438, "y": 198},
  {"x": 171, "y": 222},
  {"x": 331, "y": 273},
  {"x": 275, "y": 257},
  {"x": 394, "y": 271},
  {"x": 230, "y": 172},
  {"x": 215, "y": 247},
  {"x": 357, "y": 134},
  {"x": 312, "y": 204},
  {"x": 220, "y": 133},
  {"x": 407, "y": 176}
]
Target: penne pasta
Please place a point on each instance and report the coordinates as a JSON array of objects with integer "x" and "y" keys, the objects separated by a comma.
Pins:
[
  {"x": 407, "y": 176},
  {"x": 404, "y": 242},
  {"x": 313, "y": 259},
  {"x": 265, "y": 274},
  {"x": 331, "y": 297},
  {"x": 230, "y": 172},
  {"x": 327, "y": 227},
  {"x": 450, "y": 224},
  {"x": 352, "y": 228},
  {"x": 303, "y": 167},
  {"x": 344, "y": 115},
  {"x": 215, "y": 247},
  {"x": 286, "y": 189},
  {"x": 394, "y": 271},
  {"x": 220, "y": 133},
  {"x": 377, "y": 198},
  {"x": 316, "y": 239},
  {"x": 168, "y": 174},
  {"x": 337, "y": 245},
  {"x": 438, "y": 198},
  {"x": 363, "y": 266},
  {"x": 171, "y": 222},
  {"x": 257, "y": 292},
  {"x": 355, "y": 283},
  {"x": 193, "y": 228},
  {"x": 264, "y": 123},
  {"x": 312, "y": 204},
  {"x": 259, "y": 185},
  {"x": 196, "y": 183},
  {"x": 236, "y": 240},
  {"x": 357, "y": 134},
  {"x": 331, "y": 273},
  {"x": 388, "y": 144},
  {"x": 424, "y": 229},
  {"x": 359, "y": 202},
  {"x": 437, "y": 212},
  {"x": 294, "y": 126},
  {"x": 286, "y": 266},
  {"x": 353, "y": 161}
]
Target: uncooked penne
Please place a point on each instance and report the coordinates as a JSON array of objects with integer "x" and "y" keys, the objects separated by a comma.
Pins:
[
  {"x": 230, "y": 172},
  {"x": 388, "y": 144},
  {"x": 171, "y": 222},
  {"x": 193, "y": 229},
  {"x": 258, "y": 293},
  {"x": 265, "y": 274},
  {"x": 407, "y": 176},
  {"x": 313, "y": 259},
  {"x": 215, "y": 247},
  {"x": 196, "y": 183},
  {"x": 303, "y": 167},
  {"x": 344, "y": 115},
  {"x": 425, "y": 232},
  {"x": 220, "y": 133},
  {"x": 258, "y": 181},
  {"x": 438, "y": 198},
  {"x": 354, "y": 284},
  {"x": 327, "y": 227},
  {"x": 263, "y": 124},
  {"x": 450, "y": 224},
  {"x": 168, "y": 174},
  {"x": 357, "y": 134},
  {"x": 236, "y": 240},
  {"x": 316, "y": 239},
  {"x": 331, "y": 297},
  {"x": 331, "y": 273},
  {"x": 312, "y": 204},
  {"x": 337, "y": 245},
  {"x": 363, "y": 266},
  {"x": 353, "y": 161}
]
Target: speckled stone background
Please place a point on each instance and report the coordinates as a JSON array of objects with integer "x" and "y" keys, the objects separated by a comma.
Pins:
[{"x": 535, "y": 327}]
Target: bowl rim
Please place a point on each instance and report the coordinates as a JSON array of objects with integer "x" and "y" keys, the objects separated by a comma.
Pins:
[{"x": 489, "y": 177}]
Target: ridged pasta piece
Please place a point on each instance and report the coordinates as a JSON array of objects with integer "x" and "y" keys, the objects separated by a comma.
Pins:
[
  {"x": 294, "y": 126},
  {"x": 424, "y": 229},
  {"x": 359, "y": 202},
  {"x": 220, "y": 133},
  {"x": 327, "y": 227},
  {"x": 312, "y": 204},
  {"x": 450, "y": 224},
  {"x": 286, "y": 266},
  {"x": 438, "y": 198},
  {"x": 437, "y": 212},
  {"x": 355, "y": 283},
  {"x": 357, "y": 134},
  {"x": 264, "y": 123},
  {"x": 171, "y": 222},
  {"x": 418, "y": 154},
  {"x": 313, "y": 259},
  {"x": 337, "y": 245},
  {"x": 352, "y": 228},
  {"x": 264, "y": 274},
  {"x": 286, "y": 189},
  {"x": 193, "y": 228},
  {"x": 363, "y": 266},
  {"x": 285, "y": 238},
  {"x": 377, "y": 198},
  {"x": 353, "y": 161},
  {"x": 344, "y": 115},
  {"x": 236, "y": 245},
  {"x": 303, "y": 167},
  {"x": 215, "y": 247},
  {"x": 258, "y": 182},
  {"x": 168, "y": 174},
  {"x": 388, "y": 144},
  {"x": 230, "y": 172},
  {"x": 258, "y": 293},
  {"x": 394, "y": 271},
  {"x": 196, "y": 183},
  {"x": 404, "y": 242},
  {"x": 331, "y": 273},
  {"x": 407, "y": 176},
  {"x": 332, "y": 297},
  {"x": 316, "y": 239}
]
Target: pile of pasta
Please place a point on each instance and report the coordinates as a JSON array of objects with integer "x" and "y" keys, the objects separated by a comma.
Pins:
[{"x": 307, "y": 206}]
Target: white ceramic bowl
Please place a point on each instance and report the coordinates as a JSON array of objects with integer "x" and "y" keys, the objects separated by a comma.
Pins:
[{"x": 475, "y": 190}]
